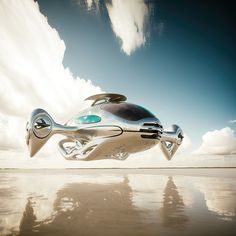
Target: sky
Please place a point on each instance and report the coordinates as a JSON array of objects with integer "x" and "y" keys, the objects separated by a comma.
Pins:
[{"x": 174, "y": 58}]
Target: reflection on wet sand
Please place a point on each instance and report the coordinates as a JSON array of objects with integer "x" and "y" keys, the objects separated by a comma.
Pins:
[
  {"x": 28, "y": 220},
  {"x": 172, "y": 211},
  {"x": 219, "y": 196},
  {"x": 118, "y": 204},
  {"x": 86, "y": 208}
]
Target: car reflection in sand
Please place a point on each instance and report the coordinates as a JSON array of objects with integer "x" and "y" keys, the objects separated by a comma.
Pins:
[{"x": 118, "y": 204}]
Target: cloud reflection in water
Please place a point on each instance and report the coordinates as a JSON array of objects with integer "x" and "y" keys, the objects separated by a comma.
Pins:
[{"x": 118, "y": 204}]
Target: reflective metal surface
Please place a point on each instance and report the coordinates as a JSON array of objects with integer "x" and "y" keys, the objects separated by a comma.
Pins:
[
  {"x": 106, "y": 97},
  {"x": 109, "y": 129}
]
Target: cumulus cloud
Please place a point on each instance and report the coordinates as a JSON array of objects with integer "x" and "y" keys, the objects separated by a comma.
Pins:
[
  {"x": 90, "y": 5},
  {"x": 186, "y": 144},
  {"x": 128, "y": 20},
  {"x": 218, "y": 142},
  {"x": 31, "y": 71}
]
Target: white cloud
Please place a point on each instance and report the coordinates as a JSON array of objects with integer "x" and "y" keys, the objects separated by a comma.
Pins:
[
  {"x": 218, "y": 195},
  {"x": 31, "y": 71},
  {"x": 232, "y": 121},
  {"x": 128, "y": 22},
  {"x": 91, "y": 5},
  {"x": 218, "y": 142},
  {"x": 186, "y": 144}
]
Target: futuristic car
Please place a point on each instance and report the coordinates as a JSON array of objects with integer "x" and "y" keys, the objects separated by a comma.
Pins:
[{"x": 110, "y": 129}]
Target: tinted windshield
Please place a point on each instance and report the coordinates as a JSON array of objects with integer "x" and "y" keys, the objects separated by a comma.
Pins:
[
  {"x": 127, "y": 111},
  {"x": 88, "y": 119}
]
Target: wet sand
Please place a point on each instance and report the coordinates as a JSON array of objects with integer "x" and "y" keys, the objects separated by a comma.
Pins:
[{"x": 118, "y": 202}]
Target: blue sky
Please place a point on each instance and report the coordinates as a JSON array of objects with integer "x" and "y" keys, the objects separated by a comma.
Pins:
[
  {"x": 174, "y": 58},
  {"x": 184, "y": 72}
]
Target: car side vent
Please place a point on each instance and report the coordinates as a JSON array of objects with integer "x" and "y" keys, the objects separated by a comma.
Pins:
[
  {"x": 153, "y": 124},
  {"x": 151, "y": 130},
  {"x": 151, "y": 136}
]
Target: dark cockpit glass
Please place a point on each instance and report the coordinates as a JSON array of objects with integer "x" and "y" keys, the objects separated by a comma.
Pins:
[{"x": 128, "y": 111}]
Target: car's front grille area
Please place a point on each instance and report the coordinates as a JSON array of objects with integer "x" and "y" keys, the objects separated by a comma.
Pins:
[{"x": 151, "y": 130}]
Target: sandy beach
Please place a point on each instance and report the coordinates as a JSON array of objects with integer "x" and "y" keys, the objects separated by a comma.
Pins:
[{"x": 118, "y": 202}]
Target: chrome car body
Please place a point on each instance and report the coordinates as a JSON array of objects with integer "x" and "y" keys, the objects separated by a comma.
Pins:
[{"x": 110, "y": 129}]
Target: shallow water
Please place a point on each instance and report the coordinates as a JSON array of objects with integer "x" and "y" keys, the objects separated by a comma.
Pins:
[{"x": 118, "y": 202}]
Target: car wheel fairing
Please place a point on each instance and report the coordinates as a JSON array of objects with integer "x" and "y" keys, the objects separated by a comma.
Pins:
[
  {"x": 171, "y": 140},
  {"x": 42, "y": 126},
  {"x": 75, "y": 150},
  {"x": 38, "y": 130}
]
